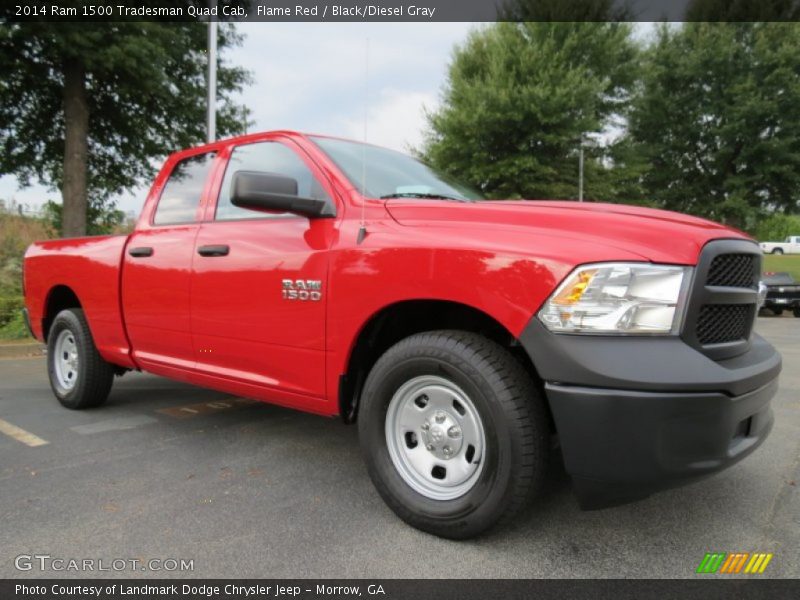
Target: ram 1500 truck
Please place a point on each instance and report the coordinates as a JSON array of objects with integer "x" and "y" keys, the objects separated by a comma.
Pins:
[{"x": 467, "y": 338}]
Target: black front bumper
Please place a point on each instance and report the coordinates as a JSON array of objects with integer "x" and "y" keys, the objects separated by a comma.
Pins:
[
  {"x": 635, "y": 415},
  {"x": 782, "y": 302}
]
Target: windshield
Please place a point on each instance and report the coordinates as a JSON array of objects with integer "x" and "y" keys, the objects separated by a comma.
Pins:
[{"x": 391, "y": 174}]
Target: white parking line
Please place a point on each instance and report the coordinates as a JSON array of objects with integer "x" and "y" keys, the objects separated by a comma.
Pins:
[
  {"x": 115, "y": 424},
  {"x": 19, "y": 434}
]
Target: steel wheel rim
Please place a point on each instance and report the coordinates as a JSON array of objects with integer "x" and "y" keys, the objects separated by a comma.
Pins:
[
  {"x": 435, "y": 437},
  {"x": 66, "y": 360}
]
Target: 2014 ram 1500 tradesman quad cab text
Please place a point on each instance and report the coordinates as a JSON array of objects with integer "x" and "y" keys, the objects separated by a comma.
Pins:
[{"x": 462, "y": 335}]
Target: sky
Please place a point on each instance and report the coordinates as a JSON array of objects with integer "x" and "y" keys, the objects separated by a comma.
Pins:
[{"x": 311, "y": 77}]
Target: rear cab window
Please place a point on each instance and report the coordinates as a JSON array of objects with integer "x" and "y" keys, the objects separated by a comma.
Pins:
[{"x": 181, "y": 196}]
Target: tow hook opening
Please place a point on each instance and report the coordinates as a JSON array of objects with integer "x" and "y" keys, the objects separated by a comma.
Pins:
[{"x": 743, "y": 428}]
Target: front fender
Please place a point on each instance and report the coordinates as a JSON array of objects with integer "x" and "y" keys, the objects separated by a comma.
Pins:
[{"x": 391, "y": 267}]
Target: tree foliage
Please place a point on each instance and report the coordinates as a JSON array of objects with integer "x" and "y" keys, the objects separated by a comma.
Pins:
[
  {"x": 704, "y": 118},
  {"x": 717, "y": 119},
  {"x": 142, "y": 84},
  {"x": 777, "y": 227},
  {"x": 518, "y": 100},
  {"x": 100, "y": 219},
  {"x": 17, "y": 232}
]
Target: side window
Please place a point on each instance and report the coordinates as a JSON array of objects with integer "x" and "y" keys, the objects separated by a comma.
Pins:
[
  {"x": 269, "y": 157},
  {"x": 182, "y": 192}
]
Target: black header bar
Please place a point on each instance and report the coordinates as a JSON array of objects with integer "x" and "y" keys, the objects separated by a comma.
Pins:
[
  {"x": 399, "y": 10},
  {"x": 710, "y": 588}
]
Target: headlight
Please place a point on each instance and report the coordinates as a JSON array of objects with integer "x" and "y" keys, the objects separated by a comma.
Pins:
[
  {"x": 762, "y": 293},
  {"x": 621, "y": 298}
]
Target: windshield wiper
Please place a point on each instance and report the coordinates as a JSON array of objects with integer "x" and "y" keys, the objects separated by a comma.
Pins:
[{"x": 425, "y": 196}]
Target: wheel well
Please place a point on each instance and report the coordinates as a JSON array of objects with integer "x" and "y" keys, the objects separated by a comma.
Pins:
[
  {"x": 60, "y": 298},
  {"x": 404, "y": 319}
]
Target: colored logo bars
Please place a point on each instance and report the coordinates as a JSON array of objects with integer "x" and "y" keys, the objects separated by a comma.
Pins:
[{"x": 735, "y": 562}]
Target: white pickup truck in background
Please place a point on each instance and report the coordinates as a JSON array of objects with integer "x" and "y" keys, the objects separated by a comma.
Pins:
[{"x": 791, "y": 245}]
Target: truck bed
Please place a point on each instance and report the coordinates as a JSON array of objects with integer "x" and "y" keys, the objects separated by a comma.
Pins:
[{"x": 90, "y": 267}]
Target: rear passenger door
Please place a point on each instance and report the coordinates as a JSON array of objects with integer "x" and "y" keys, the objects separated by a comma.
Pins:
[
  {"x": 156, "y": 273},
  {"x": 250, "y": 325}
]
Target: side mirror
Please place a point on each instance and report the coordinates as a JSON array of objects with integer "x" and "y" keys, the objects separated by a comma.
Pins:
[{"x": 268, "y": 191}]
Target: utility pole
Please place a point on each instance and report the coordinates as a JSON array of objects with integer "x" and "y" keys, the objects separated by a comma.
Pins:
[
  {"x": 580, "y": 171},
  {"x": 212, "y": 76}
]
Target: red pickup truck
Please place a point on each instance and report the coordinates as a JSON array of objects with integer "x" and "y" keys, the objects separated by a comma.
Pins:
[{"x": 466, "y": 337}]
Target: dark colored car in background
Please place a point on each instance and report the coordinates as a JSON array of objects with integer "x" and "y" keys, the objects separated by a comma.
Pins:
[{"x": 783, "y": 293}]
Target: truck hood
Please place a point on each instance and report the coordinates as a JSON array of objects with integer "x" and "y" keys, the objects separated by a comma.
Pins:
[{"x": 655, "y": 235}]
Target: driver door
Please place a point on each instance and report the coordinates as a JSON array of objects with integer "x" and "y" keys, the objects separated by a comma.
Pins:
[{"x": 247, "y": 328}]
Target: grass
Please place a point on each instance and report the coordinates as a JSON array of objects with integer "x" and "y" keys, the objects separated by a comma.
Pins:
[
  {"x": 790, "y": 264},
  {"x": 15, "y": 330}
]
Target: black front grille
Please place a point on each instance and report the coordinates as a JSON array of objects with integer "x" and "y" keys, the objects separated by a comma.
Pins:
[
  {"x": 733, "y": 270},
  {"x": 720, "y": 323},
  {"x": 722, "y": 302}
]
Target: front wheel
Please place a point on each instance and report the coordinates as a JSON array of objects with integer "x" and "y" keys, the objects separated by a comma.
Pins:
[
  {"x": 454, "y": 432},
  {"x": 79, "y": 376},
  {"x": 777, "y": 311},
  {"x": 796, "y": 312}
]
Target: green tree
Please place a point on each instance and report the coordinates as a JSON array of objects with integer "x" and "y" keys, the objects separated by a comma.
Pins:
[
  {"x": 777, "y": 227},
  {"x": 88, "y": 107},
  {"x": 520, "y": 97},
  {"x": 717, "y": 119},
  {"x": 100, "y": 220}
]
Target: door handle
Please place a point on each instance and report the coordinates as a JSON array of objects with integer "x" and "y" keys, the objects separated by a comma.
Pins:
[
  {"x": 140, "y": 252},
  {"x": 214, "y": 250}
]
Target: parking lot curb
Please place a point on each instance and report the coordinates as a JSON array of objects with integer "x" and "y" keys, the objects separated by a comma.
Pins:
[{"x": 21, "y": 350}]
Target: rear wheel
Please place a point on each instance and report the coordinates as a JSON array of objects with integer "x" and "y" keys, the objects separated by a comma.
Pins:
[
  {"x": 79, "y": 376},
  {"x": 454, "y": 432},
  {"x": 777, "y": 311},
  {"x": 796, "y": 312},
  {"x": 777, "y": 251}
]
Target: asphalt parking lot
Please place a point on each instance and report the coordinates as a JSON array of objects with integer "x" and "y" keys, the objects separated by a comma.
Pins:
[{"x": 166, "y": 470}]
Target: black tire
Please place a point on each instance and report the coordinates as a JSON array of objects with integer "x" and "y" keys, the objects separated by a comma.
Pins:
[
  {"x": 777, "y": 251},
  {"x": 777, "y": 311},
  {"x": 796, "y": 312},
  {"x": 94, "y": 375},
  {"x": 513, "y": 416}
]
